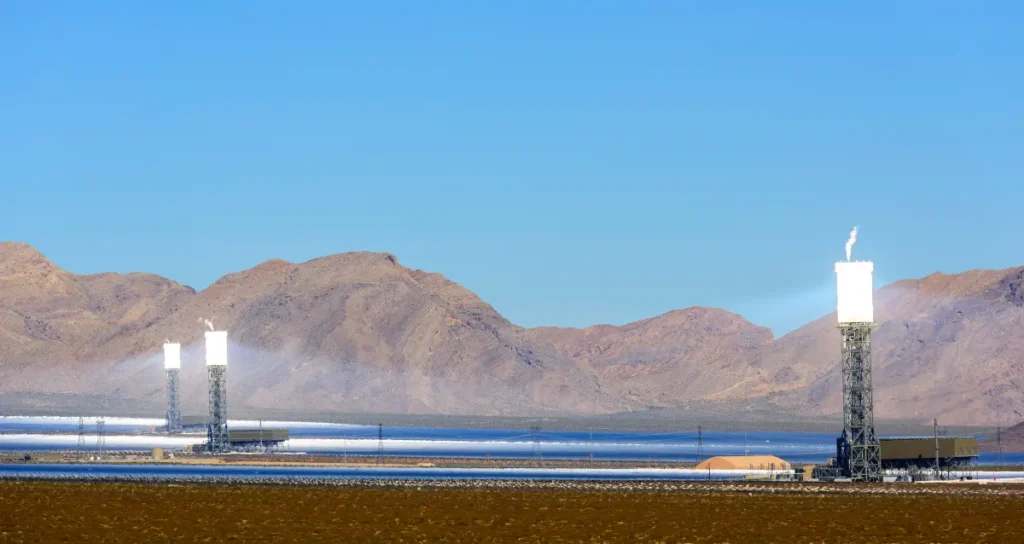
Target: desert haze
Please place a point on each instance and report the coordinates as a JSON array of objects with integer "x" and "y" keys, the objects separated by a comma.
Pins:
[{"x": 360, "y": 332}]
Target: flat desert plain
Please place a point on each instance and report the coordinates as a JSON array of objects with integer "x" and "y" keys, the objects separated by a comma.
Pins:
[{"x": 35, "y": 511}]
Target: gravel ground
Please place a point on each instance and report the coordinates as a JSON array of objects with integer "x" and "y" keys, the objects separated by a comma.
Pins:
[
  {"x": 967, "y": 489},
  {"x": 446, "y": 511}
]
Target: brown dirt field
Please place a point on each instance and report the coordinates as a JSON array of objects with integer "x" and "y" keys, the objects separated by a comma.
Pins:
[{"x": 110, "y": 512}]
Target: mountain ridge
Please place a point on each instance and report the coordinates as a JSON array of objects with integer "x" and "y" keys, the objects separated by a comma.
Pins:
[{"x": 358, "y": 331}]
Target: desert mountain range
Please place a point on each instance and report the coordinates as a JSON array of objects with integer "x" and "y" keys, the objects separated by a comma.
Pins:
[{"x": 360, "y": 332}]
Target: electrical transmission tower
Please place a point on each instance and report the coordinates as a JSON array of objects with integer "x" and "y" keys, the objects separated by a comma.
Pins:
[
  {"x": 999, "y": 446},
  {"x": 591, "y": 446},
  {"x": 380, "y": 443},
  {"x": 101, "y": 437},
  {"x": 700, "y": 444},
  {"x": 81, "y": 438}
]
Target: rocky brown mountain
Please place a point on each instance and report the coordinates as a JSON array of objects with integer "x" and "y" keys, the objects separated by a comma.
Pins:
[
  {"x": 352, "y": 332},
  {"x": 360, "y": 332}
]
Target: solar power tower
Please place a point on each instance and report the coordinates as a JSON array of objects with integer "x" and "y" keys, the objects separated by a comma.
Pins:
[
  {"x": 217, "y": 374},
  {"x": 172, "y": 366},
  {"x": 859, "y": 450}
]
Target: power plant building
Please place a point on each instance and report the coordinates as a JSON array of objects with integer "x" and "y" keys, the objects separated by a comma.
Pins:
[{"x": 922, "y": 452}]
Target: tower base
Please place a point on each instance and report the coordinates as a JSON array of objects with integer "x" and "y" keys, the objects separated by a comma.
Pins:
[{"x": 217, "y": 428}]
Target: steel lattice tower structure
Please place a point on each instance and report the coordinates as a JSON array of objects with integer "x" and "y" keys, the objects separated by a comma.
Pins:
[
  {"x": 172, "y": 365},
  {"x": 862, "y": 450},
  {"x": 101, "y": 436},
  {"x": 700, "y": 444},
  {"x": 81, "y": 437},
  {"x": 535, "y": 434},
  {"x": 217, "y": 374},
  {"x": 999, "y": 446},
  {"x": 858, "y": 449}
]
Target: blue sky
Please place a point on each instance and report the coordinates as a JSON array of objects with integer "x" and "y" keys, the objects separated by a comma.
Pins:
[{"x": 572, "y": 163}]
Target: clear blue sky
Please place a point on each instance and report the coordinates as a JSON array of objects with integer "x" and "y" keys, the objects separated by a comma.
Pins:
[{"x": 571, "y": 162}]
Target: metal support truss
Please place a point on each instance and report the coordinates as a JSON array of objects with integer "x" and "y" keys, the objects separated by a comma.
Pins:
[
  {"x": 859, "y": 451},
  {"x": 217, "y": 428},
  {"x": 173, "y": 413}
]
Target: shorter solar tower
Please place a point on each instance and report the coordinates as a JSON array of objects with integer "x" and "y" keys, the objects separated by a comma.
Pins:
[
  {"x": 217, "y": 374},
  {"x": 172, "y": 365}
]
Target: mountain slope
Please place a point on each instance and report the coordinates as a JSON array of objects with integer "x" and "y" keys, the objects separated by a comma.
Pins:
[
  {"x": 359, "y": 332},
  {"x": 352, "y": 332},
  {"x": 679, "y": 357}
]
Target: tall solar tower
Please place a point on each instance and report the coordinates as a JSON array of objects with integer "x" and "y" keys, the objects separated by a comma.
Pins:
[
  {"x": 858, "y": 449},
  {"x": 217, "y": 373},
  {"x": 172, "y": 365}
]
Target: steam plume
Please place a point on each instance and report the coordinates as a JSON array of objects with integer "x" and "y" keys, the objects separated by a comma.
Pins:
[
  {"x": 851, "y": 241},
  {"x": 208, "y": 323}
]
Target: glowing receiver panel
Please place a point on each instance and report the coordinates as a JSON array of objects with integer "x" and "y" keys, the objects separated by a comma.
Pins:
[
  {"x": 217, "y": 348},
  {"x": 172, "y": 356},
  {"x": 853, "y": 287}
]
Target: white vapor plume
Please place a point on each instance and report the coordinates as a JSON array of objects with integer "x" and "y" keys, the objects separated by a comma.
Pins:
[
  {"x": 207, "y": 321},
  {"x": 851, "y": 241}
]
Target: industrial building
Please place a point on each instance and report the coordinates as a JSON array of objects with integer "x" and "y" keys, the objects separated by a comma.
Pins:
[
  {"x": 194, "y": 423},
  {"x": 260, "y": 438},
  {"x": 910, "y": 452}
]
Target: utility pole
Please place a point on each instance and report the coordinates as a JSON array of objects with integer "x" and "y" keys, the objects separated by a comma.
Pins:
[
  {"x": 745, "y": 450},
  {"x": 81, "y": 437},
  {"x": 700, "y": 444},
  {"x": 591, "y": 446},
  {"x": 535, "y": 433},
  {"x": 935, "y": 430},
  {"x": 380, "y": 443},
  {"x": 999, "y": 446},
  {"x": 101, "y": 437}
]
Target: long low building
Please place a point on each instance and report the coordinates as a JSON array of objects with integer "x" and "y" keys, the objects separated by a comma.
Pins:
[
  {"x": 242, "y": 437},
  {"x": 919, "y": 451}
]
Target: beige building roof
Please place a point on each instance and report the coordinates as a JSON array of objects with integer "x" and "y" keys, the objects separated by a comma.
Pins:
[{"x": 747, "y": 462}]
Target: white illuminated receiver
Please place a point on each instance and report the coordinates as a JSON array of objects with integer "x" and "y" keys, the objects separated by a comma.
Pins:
[
  {"x": 172, "y": 356},
  {"x": 854, "y": 290},
  {"x": 217, "y": 348}
]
